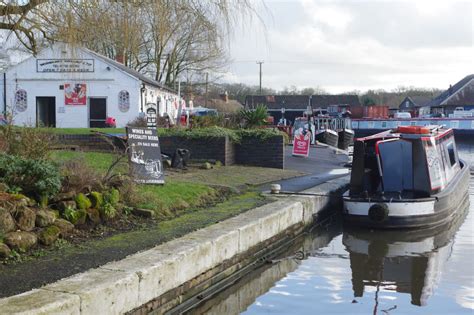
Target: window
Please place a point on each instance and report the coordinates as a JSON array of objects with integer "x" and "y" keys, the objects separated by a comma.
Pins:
[
  {"x": 451, "y": 153},
  {"x": 124, "y": 101},
  {"x": 21, "y": 100}
]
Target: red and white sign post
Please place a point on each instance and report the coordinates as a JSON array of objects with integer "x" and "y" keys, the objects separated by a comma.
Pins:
[{"x": 301, "y": 143}]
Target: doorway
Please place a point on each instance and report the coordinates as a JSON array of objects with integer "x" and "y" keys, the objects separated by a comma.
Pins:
[
  {"x": 97, "y": 112},
  {"x": 45, "y": 111}
]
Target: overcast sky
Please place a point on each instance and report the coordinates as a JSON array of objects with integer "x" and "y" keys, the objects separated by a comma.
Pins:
[{"x": 356, "y": 45}]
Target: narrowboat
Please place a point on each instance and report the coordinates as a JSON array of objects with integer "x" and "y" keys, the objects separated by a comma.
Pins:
[
  {"x": 405, "y": 178},
  {"x": 346, "y": 138},
  {"x": 327, "y": 136}
]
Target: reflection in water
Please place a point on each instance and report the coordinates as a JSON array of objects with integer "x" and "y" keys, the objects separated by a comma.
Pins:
[
  {"x": 242, "y": 294},
  {"x": 403, "y": 261},
  {"x": 364, "y": 272}
]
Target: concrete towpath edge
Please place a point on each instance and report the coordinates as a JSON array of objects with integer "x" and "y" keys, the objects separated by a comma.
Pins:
[{"x": 120, "y": 286}]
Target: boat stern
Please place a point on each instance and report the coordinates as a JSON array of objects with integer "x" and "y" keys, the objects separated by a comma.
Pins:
[{"x": 389, "y": 214}]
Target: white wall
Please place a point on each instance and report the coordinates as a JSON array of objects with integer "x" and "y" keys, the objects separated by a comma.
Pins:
[
  {"x": 168, "y": 101},
  {"x": 100, "y": 83}
]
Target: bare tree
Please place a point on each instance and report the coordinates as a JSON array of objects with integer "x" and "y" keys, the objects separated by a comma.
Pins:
[
  {"x": 163, "y": 38},
  {"x": 15, "y": 17}
]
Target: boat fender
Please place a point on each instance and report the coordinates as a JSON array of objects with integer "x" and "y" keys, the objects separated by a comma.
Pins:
[{"x": 378, "y": 212}]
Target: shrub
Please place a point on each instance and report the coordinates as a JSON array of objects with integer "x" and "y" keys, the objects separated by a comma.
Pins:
[
  {"x": 139, "y": 122},
  {"x": 197, "y": 133},
  {"x": 75, "y": 216},
  {"x": 78, "y": 176},
  {"x": 112, "y": 197},
  {"x": 220, "y": 120},
  {"x": 82, "y": 202},
  {"x": 107, "y": 211},
  {"x": 127, "y": 210},
  {"x": 207, "y": 121},
  {"x": 261, "y": 134},
  {"x": 96, "y": 199},
  {"x": 254, "y": 117},
  {"x": 35, "y": 178},
  {"x": 235, "y": 136},
  {"x": 70, "y": 214},
  {"x": 130, "y": 194},
  {"x": 27, "y": 142}
]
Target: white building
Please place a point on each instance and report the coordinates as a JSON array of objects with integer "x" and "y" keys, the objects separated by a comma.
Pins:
[{"x": 72, "y": 87}]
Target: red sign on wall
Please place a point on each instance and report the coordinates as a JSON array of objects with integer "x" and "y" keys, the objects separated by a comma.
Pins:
[
  {"x": 301, "y": 144},
  {"x": 75, "y": 94}
]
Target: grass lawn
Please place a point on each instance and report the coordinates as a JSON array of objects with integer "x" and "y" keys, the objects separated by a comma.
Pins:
[
  {"x": 233, "y": 176},
  {"x": 98, "y": 160},
  {"x": 83, "y": 131},
  {"x": 183, "y": 189},
  {"x": 173, "y": 196}
]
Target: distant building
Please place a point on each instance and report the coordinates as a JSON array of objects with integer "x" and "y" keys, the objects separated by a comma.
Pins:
[
  {"x": 73, "y": 87},
  {"x": 295, "y": 105},
  {"x": 460, "y": 94},
  {"x": 415, "y": 105},
  {"x": 222, "y": 104}
]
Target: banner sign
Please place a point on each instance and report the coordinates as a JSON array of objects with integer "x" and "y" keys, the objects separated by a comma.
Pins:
[
  {"x": 301, "y": 143},
  {"x": 75, "y": 94},
  {"x": 65, "y": 65},
  {"x": 145, "y": 156}
]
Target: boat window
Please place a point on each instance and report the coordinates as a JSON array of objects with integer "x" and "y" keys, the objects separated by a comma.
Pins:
[
  {"x": 452, "y": 155},
  {"x": 397, "y": 165}
]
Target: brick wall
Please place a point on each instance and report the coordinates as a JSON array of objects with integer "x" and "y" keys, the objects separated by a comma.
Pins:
[
  {"x": 201, "y": 149},
  {"x": 255, "y": 152},
  {"x": 91, "y": 142},
  {"x": 251, "y": 151}
]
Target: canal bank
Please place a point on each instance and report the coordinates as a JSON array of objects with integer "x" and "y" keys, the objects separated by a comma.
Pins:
[{"x": 170, "y": 273}]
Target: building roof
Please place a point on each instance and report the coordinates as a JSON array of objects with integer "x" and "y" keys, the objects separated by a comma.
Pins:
[
  {"x": 341, "y": 99},
  {"x": 130, "y": 71},
  {"x": 443, "y": 97},
  {"x": 420, "y": 100},
  {"x": 300, "y": 102},
  {"x": 416, "y": 100}
]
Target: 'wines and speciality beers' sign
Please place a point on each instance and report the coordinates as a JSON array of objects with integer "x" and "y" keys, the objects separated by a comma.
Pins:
[
  {"x": 145, "y": 156},
  {"x": 65, "y": 65}
]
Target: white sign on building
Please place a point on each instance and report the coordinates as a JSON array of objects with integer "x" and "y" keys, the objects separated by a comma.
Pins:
[{"x": 65, "y": 65}]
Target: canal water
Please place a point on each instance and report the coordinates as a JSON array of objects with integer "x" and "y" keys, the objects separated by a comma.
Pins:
[{"x": 336, "y": 270}]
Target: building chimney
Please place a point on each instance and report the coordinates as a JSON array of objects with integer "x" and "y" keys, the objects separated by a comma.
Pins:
[
  {"x": 225, "y": 97},
  {"x": 119, "y": 58}
]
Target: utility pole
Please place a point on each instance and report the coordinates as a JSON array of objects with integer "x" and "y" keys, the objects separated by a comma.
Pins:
[
  {"x": 260, "y": 65},
  {"x": 207, "y": 85}
]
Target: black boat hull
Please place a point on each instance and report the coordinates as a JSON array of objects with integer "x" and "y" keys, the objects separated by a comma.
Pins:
[
  {"x": 328, "y": 137},
  {"x": 346, "y": 138},
  {"x": 431, "y": 211}
]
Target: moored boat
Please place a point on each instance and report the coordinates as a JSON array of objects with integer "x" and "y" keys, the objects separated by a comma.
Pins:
[
  {"x": 405, "y": 178},
  {"x": 327, "y": 136},
  {"x": 346, "y": 137}
]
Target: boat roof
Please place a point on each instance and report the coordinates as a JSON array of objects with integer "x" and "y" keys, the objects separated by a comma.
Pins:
[{"x": 416, "y": 132}]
